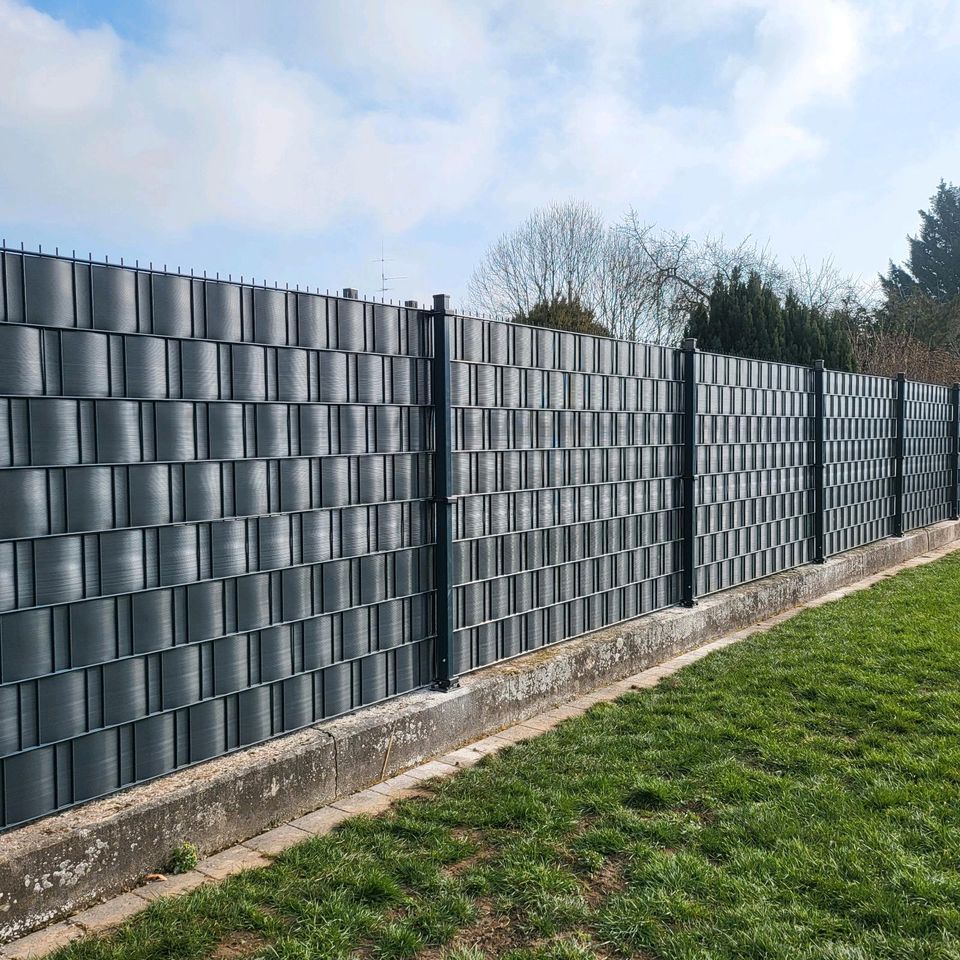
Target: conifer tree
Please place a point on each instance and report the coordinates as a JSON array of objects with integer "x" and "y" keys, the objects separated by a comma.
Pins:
[
  {"x": 563, "y": 313},
  {"x": 933, "y": 264},
  {"x": 747, "y": 319}
]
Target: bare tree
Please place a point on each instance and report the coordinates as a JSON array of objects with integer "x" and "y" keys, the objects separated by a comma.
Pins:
[
  {"x": 556, "y": 252},
  {"x": 673, "y": 273},
  {"x": 826, "y": 287},
  {"x": 565, "y": 252},
  {"x": 619, "y": 298}
]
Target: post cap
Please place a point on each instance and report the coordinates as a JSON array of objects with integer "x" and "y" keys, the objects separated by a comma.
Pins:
[
  {"x": 350, "y": 293},
  {"x": 441, "y": 303},
  {"x": 818, "y": 365},
  {"x": 690, "y": 343}
]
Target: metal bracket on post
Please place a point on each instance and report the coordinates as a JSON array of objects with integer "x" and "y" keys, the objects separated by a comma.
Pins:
[
  {"x": 442, "y": 494},
  {"x": 689, "y": 556},
  {"x": 955, "y": 473},
  {"x": 899, "y": 452},
  {"x": 819, "y": 461}
]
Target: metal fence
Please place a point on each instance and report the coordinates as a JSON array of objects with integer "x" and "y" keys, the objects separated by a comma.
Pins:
[{"x": 231, "y": 511}]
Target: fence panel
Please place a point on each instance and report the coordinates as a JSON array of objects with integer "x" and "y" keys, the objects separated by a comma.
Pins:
[
  {"x": 755, "y": 469},
  {"x": 860, "y": 468},
  {"x": 567, "y": 472},
  {"x": 928, "y": 455},
  {"x": 217, "y": 522}
]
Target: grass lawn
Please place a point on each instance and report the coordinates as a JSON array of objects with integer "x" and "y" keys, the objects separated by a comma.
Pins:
[{"x": 794, "y": 796}]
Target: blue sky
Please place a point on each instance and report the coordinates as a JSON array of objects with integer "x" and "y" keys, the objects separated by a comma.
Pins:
[{"x": 288, "y": 140}]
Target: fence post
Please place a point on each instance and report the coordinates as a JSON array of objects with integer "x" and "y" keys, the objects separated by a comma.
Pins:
[
  {"x": 819, "y": 460},
  {"x": 689, "y": 557},
  {"x": 955, "y": 493},
  {"x": 899, "y": 448},
  {"x": 442, "y": 493}
]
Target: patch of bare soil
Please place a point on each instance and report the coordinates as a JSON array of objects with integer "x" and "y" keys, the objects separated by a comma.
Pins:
[
  {"x": 237, "y": 945},
  {"x": 600, "y": 885},
  {"x": 492, "y": 933},
  {"x": 483, "y": 851},
  {"x": 699, "y": 810}
]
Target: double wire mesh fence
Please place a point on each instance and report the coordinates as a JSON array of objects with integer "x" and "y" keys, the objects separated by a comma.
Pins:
[{"x": 232, "y": 511}]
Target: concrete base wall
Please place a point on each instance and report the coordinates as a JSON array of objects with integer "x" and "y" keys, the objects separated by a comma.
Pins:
[{"x": 65, "y": 862}]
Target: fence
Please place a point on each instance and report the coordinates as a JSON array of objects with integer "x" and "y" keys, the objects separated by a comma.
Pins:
[{"x": 232, "y": 511}]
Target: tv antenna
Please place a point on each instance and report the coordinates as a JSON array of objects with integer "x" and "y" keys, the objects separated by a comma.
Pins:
[{"x": 384, "y": 279}]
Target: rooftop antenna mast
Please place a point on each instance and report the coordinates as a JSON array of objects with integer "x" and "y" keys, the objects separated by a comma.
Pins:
[{"x": 384, "y": 279}]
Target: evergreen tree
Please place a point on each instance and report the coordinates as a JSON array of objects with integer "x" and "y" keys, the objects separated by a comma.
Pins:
[
  {"x": 747, "y": 319},
  {"x": 563, "y": 313},
  {"x": 933, "y": 265}
]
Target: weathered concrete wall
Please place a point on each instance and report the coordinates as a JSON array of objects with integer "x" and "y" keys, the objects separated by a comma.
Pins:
[{"x": 61, "y": 864}]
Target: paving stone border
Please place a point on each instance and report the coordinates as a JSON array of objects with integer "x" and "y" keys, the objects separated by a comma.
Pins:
[{"x": 752, "y": 608}]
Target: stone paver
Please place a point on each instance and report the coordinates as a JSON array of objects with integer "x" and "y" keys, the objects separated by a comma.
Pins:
[
  {"x": 231, "y": 861},
  {"x": 321, "y": 821},
  {"x": 400, "y": 786},
  {"x": 277, "y": 840},
  {"x": 569, "y": 712},
  {"x": 174, "y": 885},
  {"x": 369, "y": 801},
  {"x": 490, "y": 745},
  {"x": 519, "y": 733},
  {"x": 42, "y": 942},
  {"x": 432, "y": 769},
  {"x": 643, "y": 681},
  {"x": 109, "y": 914},
  {"x": 464, "y": 757},
  {"x": 539, "y": 724},
  {"x": 556, "y": 716}
]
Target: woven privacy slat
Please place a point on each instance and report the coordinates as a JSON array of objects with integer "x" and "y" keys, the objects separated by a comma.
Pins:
[
  {"x": 118, "y": 756},
  {"x": 69, "y": 432},
  {"x": 60, "y": 293},
  {"x": 71, "y": 568},
  {"x": 85, "y": 363},
  {"x": 217, "y": 521}
]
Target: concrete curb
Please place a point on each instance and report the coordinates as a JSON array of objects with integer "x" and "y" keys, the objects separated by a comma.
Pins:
[{"x": 67, "y": 862}]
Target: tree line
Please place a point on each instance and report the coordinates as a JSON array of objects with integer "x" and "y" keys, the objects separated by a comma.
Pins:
[{"x": 565, "y": 267}]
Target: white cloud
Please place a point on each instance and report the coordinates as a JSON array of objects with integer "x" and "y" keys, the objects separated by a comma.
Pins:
[
  {"x": 292, "y": 116},
  {"x": 184, "y": 139},
  {"x": 805, "y": 54},
  {"x": 49, "y": 72}
]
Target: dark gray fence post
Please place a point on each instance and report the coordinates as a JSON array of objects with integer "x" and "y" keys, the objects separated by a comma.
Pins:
[
  {"x": 899, "y": 448},
  {"x": 689, "y": 472},
  {"x": 955, "y": 449},
  {"x": 819, "y": 459},
  {"x": 442, "y": 492}
]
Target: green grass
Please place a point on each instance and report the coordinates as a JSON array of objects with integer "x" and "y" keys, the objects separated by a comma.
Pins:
[{"x": 794, "y": 796}]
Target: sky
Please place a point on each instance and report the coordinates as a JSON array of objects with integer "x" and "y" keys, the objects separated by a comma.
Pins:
[{"x": 289, "y": 140}]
